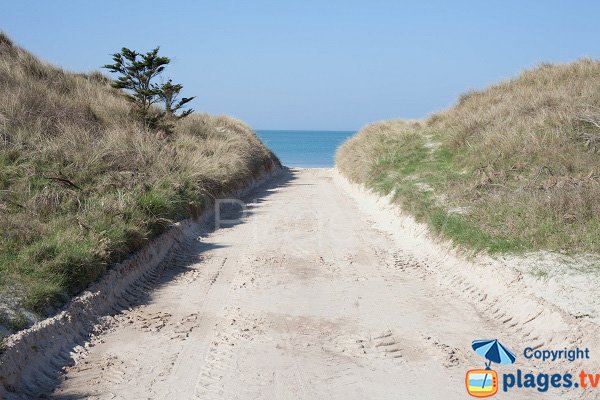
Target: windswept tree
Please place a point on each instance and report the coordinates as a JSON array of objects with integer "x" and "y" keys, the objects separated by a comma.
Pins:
[
  {"x": 169, "y": 95},
  {"x": 137, "y": 73}
]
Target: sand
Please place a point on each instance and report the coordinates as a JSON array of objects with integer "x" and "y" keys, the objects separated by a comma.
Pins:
[{"x": 321, "y": 291}]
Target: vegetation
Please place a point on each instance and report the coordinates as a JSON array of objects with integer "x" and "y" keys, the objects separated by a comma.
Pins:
[
  {"x": 83, "y": 183},
  {"x": 136, "y": 74},
  {"x": 512, "y": 168}
]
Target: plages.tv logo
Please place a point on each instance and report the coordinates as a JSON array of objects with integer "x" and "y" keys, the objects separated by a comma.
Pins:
[{"x": 484, "y": 382}]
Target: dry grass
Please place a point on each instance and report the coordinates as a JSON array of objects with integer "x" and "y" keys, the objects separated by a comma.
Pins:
[
  {"x": 516, "y": 166},
  {"x": 82, "y": 184}
]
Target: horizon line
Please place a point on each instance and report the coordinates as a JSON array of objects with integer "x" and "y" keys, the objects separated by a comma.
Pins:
[{"x": 306, "y": 130}]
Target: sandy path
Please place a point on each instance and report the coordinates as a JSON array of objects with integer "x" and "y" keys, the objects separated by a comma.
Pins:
[{"x": 303, "y": 300}]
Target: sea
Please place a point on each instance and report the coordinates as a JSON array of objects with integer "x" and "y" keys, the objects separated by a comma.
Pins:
[{"x": 307, "y": 149}]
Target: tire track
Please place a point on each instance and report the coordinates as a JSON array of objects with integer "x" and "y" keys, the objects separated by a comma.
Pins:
[{"x": 303, "y": 299}]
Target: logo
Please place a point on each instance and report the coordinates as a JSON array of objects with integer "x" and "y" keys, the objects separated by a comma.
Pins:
[{"x": 484, "y": 382}]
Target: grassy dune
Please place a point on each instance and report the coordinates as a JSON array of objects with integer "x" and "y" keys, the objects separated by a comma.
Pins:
[
  {"x": 82, "y": 184},
  {"x": 515, "y": 167}
]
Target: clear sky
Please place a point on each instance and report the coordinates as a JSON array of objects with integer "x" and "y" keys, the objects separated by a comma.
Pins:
[{"x": 315, "y": 64}]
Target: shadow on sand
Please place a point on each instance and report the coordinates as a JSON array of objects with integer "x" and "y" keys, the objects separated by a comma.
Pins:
[{"x": 179, "y": 261}]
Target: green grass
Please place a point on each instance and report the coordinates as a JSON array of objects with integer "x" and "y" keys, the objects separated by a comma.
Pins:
[
  {"x": 83, "y": 184},
  {"x": 508, "y": 169},
  {"x": 18, "y": 322},
  {"x": 73, "y": 237},
  {"x": 416, "y": 175}
]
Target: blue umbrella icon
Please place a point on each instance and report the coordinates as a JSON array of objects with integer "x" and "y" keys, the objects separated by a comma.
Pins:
[{"x": 493, "y": 351}]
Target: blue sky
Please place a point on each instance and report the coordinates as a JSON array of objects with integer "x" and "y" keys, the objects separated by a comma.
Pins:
[{"x": 315, "y": 64}]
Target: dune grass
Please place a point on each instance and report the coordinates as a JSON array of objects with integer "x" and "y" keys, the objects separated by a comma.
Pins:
[
  {"x": 515, "y": 167},
  {"x": 82, "y": 184}
]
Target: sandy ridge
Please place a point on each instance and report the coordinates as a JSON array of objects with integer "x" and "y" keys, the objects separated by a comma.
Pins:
[
  {"x": 493, "y": 286},
  {"x": 323, "y": 290},
  {"x": 33, "y": 357},
  {"x": 307, "y": 298}
]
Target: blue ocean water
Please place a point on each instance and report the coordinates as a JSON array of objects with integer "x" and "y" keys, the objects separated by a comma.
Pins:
[{"x": 309, "y": 149}]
